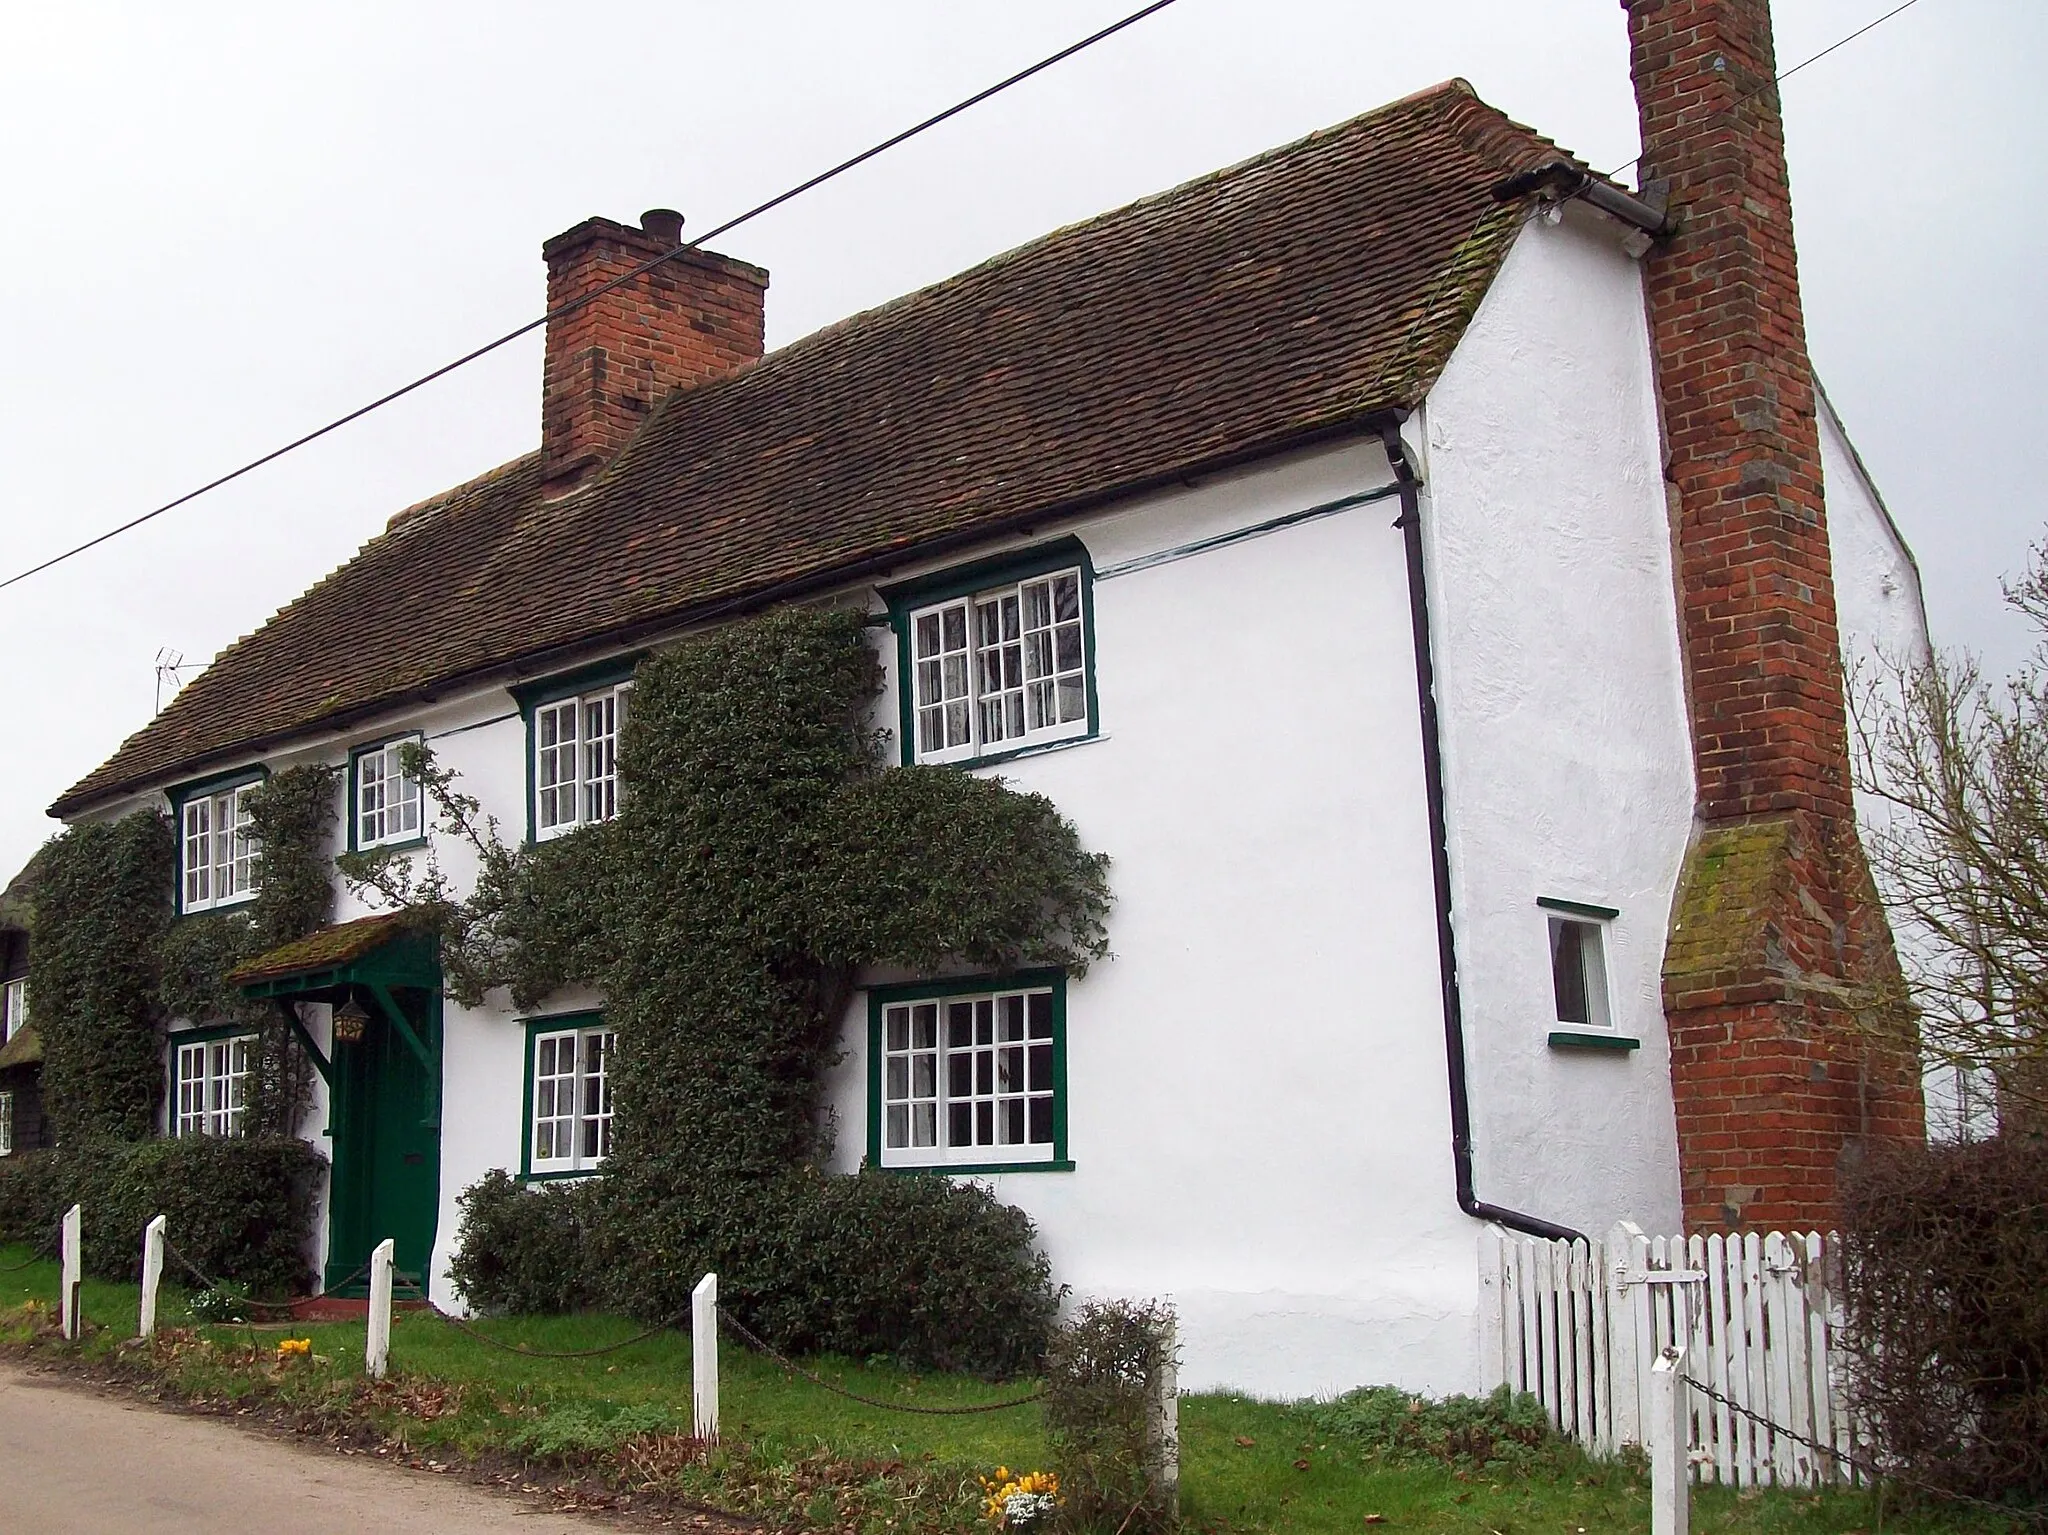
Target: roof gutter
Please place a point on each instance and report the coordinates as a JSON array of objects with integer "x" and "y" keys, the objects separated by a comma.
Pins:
[
  {"x": 1566, "y": 180},
  {"x": 1410, "y": 524}
]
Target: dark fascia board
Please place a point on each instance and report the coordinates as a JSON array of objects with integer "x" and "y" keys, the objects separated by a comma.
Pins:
[
  {"x": 192, "y": 788},
  {"x": 965, "y": 580},
  {"x": 608, "y": 672},
  {"x": 536, "y": 665}
]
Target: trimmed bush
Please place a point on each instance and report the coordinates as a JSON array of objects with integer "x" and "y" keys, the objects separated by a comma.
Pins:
[
  {"x": 1944, "y": 1249},
  {"x": 1463, "y": 1432},
  {"x": 241, "y": 1210},
  {"x": 1099, "y": 1416},
  {"x": 940, "y": 1275}
]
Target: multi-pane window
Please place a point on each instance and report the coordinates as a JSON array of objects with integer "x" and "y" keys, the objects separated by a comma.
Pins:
[
  {"x": 13, "y": 1009},
  {"x": 968, "y": 1078},
  {"x": 6, "y": 1123},
  {"x": 1578, "y": 973},
  {"x": 576, "y": 760},
  {"x": 387, "y": 799},
  {"x": 572, "y": 1100},
  {"x": 216, "y": 851},
  {"x": 1000, "y": 669},
  {"x": 213, "y": 1085}
]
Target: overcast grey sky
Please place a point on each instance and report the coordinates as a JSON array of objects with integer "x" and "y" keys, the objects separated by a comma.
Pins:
[{"x": 227, "y": 223}]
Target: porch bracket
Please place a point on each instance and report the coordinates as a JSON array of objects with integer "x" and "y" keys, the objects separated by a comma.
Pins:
[
  {"x": 427, "y": 1058},
  {"x": 298, "y": 1027}
]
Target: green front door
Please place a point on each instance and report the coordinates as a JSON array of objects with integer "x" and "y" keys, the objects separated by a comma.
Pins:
[{"x": 385, "y": 1120}]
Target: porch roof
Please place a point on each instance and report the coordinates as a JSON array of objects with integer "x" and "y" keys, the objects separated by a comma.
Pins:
[{"x": 388, "y": 949}]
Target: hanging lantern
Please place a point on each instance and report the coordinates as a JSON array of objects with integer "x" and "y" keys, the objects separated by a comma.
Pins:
[{"x": 349, "y": 1019}]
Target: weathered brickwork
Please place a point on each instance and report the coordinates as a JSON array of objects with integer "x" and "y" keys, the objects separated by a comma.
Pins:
[
  {"x": 1775, "y": 915},
  {"x": 610, "y": 362}
]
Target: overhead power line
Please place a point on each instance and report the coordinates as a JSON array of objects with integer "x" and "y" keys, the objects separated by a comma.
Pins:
[
  {"x": 1780, "y": 79},
  {"x": 596, "y": 293}
]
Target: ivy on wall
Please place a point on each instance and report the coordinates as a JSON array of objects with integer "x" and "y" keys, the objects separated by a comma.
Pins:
[
  {"x": 763, "y": 856},
  {"x": 109, "y": 967}
]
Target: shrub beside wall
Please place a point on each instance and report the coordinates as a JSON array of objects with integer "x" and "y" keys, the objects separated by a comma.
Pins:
[
  {"x": 937, "y": 1274},
  {"x": 1944, "y": 1252},
  {"x": 242, "y": 1210},
  {"x": 1101, "y": 1420}
]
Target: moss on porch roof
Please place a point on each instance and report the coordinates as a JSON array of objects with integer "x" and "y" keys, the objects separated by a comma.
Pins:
[
  {"x": 1258, "y": 308},
  {"x": 342, "y": 944}
]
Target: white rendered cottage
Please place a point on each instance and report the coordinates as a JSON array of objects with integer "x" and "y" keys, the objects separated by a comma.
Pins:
[{"x": 1302, "y": 533}]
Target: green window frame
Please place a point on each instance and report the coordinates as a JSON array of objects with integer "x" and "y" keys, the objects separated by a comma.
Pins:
[
  {"x": 996, "y": 659},
  {"x": 962, "y": 1079},
  {"x": 214, "y": 1098},
  {"x": 208, "y": 819},
  {"x": 571, "y": 768},
  {"x": 378, "y": 761},
  {"x": 566, "y": 1112},
  {"x": 1580, "y": 978}
]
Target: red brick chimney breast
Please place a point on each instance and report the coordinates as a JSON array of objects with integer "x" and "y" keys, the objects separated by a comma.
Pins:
[
  {"x": 1775, "y": 913},
  {"x": 610, "y": 361}
]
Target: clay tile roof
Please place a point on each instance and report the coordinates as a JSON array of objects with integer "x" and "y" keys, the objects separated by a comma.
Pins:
[
  {"x": 341, "y": 944},
  {"x": 1255, "y": 308}
]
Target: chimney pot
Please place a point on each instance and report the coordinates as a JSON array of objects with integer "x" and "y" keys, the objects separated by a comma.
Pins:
[{"x": 665, "y": 224}]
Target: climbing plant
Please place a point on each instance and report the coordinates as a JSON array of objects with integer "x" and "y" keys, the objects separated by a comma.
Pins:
[
  {"x": 102, "y": 910},
  {"x": 108, "y": 966},
  {"x": 763, "y": 856}
]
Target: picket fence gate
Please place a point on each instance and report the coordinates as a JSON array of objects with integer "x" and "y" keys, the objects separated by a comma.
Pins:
[{"x": 1579, "y": 1324}]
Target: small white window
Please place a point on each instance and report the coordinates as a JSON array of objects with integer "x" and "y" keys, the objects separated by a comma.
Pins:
[
  {"x": 6, "y": 1123},
  {"x": 572, "y": 1100},
  {"x": 216, "y": 851},
  {"x": 14, "y": 1009},
  {"x": 1002, "y": 669},
  {"x": 576, "y": 760},
  {"x": 387, "y": 798},
  {"x": 1578, "y": 972},
  {"x": 968, "y": 1079},
  {"x": 213, "y": 1085}
]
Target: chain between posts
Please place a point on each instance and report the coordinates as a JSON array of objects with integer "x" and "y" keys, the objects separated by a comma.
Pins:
[
  {"x": 185, "y": 1263},
  {"x": 533, "y": 1353},
  {"x": 45, "y": 1250},
  {"x": 2036, "y": 1517},
  {"x": 754, "y": 1342}
]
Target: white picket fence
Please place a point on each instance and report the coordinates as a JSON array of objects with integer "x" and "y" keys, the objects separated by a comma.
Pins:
[{"x": 1579, "y": 1326}]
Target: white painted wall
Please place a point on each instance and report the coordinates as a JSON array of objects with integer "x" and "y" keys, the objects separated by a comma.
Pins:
[
  {"x": 1258, "y": 1106},
  {"x": 1567, "y": 756},
  {"x": 1882, "y": 618}
]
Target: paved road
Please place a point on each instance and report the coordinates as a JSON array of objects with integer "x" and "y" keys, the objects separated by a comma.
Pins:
[{"x": 74, "y": 1462}]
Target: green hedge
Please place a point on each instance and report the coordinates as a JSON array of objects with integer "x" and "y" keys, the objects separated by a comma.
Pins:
[
  {"x": 936, "y": 1273},
  {"x": 241, "y": 1210}
]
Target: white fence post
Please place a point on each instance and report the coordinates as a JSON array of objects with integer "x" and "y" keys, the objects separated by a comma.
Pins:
[
  {"x": 1627, "y": 1252},
  {"x": 1165, "y": 1415},
  {"x": 704, "y": 1358},
  {"x": 377, "y": 1350},
  {"x": 1670, "y": 1485},
  {"x": 152, "y": 1274},
  {"x": 73, "y": 1271}
]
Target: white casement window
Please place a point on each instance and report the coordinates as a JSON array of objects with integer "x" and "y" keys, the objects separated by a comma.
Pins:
[
  {"x": 213, "y": 1085},
  {"x": 14, "y": 1009},
  {"x": 1001, "y": 669},
  {"x": 6, "y": 1123},
  {"x": 1578, "y": 972},
  {"x": 217, "y": 853},
  {"x": 572, "y": 1100},
  {"x": 576, "y": 760},
  {"x": 387, "y": 799},
  {"x": 968, "y": 1079}
]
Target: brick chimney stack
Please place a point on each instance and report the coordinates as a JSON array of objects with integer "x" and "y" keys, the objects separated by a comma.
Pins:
[
  {"x": 610, "y": 362},
  {"x": 1775, "y": 911}
]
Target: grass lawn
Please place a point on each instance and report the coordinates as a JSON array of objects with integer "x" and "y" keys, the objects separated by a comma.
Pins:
[{"x": 1246, "y": 1465}]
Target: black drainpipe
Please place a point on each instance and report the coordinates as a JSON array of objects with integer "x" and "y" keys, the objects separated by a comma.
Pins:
[{"x": 1410, "y": 524}]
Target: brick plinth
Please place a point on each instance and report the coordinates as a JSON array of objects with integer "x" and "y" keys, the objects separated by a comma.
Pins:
[
  {"x": 1769, "y": 1084},
  {"x": 608, "y": 363}
]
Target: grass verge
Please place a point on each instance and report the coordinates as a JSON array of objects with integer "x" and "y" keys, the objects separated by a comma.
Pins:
[{"x": 613, "y": 1433}]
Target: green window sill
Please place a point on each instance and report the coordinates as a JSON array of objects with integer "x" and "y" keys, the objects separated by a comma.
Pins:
[
  {"x": 1062, "y": 1166},
  {"x": 1573, "y": 1039}
]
